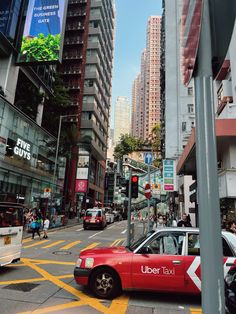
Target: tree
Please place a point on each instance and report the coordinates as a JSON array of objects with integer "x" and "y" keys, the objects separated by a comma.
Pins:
[
  {"x": 127, "y": 145},
  {"x": 155, "y": 142}
]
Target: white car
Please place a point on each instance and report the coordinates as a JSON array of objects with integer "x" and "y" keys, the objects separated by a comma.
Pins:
[{"x": 110, "y": 217}]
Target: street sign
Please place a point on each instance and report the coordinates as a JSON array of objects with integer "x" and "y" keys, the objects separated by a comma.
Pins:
[
  {"x": 148, "y": 191},
  {"x": 148, "y": 158},
  {"x": 169, "y": 175},
  {"x": 190, "y": 35}
]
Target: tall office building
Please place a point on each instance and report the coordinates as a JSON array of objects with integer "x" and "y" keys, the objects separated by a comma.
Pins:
[
  {"x": 152, "y": 75},
  {"x": 122, "y": 118},
  {"x": 87, "y": 71}
]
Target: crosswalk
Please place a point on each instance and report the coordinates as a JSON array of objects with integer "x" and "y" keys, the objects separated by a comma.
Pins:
[{"x": 62, "y": 245}]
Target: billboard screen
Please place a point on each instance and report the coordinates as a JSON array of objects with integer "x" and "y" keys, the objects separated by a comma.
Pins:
[{"x": 43, "y": 32}]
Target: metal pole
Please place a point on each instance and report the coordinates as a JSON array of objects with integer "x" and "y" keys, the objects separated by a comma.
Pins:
[
  {"x": 149, "y": 181},
  {"x": 209, "y": 209},
  {"x": 129, "y": 210}
]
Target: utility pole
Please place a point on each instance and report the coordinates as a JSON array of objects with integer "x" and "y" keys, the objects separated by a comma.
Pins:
[{"x": 209, "y": 210}]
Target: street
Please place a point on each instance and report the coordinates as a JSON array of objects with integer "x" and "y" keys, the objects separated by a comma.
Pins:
[{"x": 43, "y": 281}]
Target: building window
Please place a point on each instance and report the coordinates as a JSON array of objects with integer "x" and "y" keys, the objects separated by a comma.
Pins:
[
  {"x": 190, "y": 108},
  {"x": 190, "y": 91},
  {"x": 184, "y": 126}
]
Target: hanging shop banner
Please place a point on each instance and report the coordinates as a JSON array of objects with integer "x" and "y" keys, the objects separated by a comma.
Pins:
[
  {"x": 44, "y": 31},
  {"x": 169, "y": 175},
  {"x": 81, "y": 186}
]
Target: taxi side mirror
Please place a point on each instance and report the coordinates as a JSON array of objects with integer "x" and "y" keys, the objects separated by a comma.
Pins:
[{"x": 145, "y": 250}]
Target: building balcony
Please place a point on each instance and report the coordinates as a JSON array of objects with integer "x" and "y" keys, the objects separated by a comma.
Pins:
[
  {"x": 71, "y": 42},
  {"x": 75, "y": 13},
  {"x": 70, "y": 71},
  {"x": 77, "y": 1},
  {"x": 223, "y": 102},
  {"x": 72, "y": 85},
  {"x": 75, "y": 27},
  {"x": 72, "y": 57}
]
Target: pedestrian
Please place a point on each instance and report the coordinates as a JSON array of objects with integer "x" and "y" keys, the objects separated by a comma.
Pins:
[
  {"x": 35, "y": 226},
  {"x": 45, "y": 227},
  {"x": 160, "y": 221},
  {"x": 232, "y": 227},
  {"x": 185, "y": 221}
]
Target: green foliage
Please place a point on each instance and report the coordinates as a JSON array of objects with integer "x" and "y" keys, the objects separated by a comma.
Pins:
[
  {"x": 40, "y": 48},
  {"x": 127, "y": 145}
]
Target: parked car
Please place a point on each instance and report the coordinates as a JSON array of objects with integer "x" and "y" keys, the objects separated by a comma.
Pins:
[
  {"x": 95, "y": 218},
  {"x": 166, "y": 260},
  {"x": 109, "y": 215},
  {"x": 117, "y": 215}
]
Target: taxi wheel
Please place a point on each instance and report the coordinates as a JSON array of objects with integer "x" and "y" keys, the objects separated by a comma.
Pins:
[{"x": 105, "y": 283}]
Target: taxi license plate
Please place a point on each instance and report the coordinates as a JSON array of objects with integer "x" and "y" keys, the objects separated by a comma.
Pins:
[
  {"x": 7, "y": 240},
  {"x": 92, "y": 221}
]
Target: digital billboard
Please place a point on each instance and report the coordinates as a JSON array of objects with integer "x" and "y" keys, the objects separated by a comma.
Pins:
[{"x": 43, "y": 32}]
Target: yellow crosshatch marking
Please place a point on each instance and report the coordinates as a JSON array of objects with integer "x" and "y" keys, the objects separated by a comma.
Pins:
[
  {"x": 118, "y": 305},
  {"x": 53, "y": 244},
  {"x": 70, "y": 245},
  {"x": 91, "y": 246},
  {"x": 195, "y": 311},
  {"x": 35, "y": 244}
]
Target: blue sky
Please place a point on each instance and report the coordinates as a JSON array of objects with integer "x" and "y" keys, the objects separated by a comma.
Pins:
[{"x": 130, "y": 41}]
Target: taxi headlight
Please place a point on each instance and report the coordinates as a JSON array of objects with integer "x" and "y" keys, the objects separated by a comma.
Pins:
[
  {"x": 89, "y": 262},
  {"x": 78, "y": 262}
]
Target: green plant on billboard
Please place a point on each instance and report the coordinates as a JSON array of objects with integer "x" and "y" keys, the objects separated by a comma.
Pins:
[{"x": 41, "y": 48}]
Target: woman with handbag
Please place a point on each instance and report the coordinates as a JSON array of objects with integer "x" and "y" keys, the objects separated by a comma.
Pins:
[{"x": 35, "y": 226}]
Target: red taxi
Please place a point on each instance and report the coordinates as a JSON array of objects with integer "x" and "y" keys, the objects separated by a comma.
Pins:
[{"x": 165, "y": 260}]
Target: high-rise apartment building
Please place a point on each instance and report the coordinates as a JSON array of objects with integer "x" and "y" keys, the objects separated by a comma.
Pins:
[
  {"x": 179, "y": 116},
  {"x": 122, "y": 120},
  {"x": 135, "y": 107},
  {"x": 152, "y": 75},
  {"x": 87, "y": 70}
]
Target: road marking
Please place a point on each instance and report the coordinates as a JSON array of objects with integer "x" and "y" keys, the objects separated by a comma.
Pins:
[
  {"x": 120, "y": 240},
  {"x": 115, "y": 242},
  {"x": 27, "y": 240},
  {"x": 118, "y": 305},
  {"x": 43, "y": 261},
  {"x": 95, "y": 234},
  {"x": 83, "y": 298},
  {"x": 80, "y": 229},
  {"x": 124, "y": 231},
  {"x": 14, "y": 282},
  {"x": 53, "y": 244},
  {"x": 35, "y": 244},
  {"x": 90, "y": 246},
  {"x": 195, "y": 311},
  {"x": 70, "y": 245}
]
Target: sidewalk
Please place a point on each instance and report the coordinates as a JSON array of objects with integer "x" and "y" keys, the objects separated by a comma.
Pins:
[{"x": 70, "y": 223}]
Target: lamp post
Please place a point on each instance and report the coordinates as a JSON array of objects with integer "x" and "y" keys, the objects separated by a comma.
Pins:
[{"x": 58, "y": 142}]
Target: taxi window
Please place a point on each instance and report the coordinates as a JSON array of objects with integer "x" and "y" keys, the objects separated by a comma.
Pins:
[
  {"x": 169, "y": 244},
  {"x": 193, "y": 244},
  {"x": 226, "y": 249}
]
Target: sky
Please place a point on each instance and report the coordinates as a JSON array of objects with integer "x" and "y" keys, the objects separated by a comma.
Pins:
[{"x": 130, "y": 41}]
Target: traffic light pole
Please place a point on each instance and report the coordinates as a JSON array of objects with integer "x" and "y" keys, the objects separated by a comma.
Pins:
[
  {"x": 129, "y": 211},
  {"x": 212, "y": 279},
  {"x": 148, "y": 229}
]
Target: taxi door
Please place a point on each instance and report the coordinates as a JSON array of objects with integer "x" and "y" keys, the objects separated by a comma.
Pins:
[{"x": 159, "y": 264}]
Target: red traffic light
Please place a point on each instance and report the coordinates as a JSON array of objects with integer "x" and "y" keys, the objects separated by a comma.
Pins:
[{"x": 135, "y": 179}]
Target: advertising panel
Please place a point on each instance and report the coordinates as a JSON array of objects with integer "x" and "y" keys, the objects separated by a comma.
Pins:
[{"x": 43, "y": 32}]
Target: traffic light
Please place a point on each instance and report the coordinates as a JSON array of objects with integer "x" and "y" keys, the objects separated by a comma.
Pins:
[
  {"x": 125, "y": 187},
  {"x": 134, "y": 186}
]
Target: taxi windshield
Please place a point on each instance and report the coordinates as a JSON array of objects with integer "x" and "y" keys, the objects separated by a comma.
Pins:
[{"x": 136, "y": 244}]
